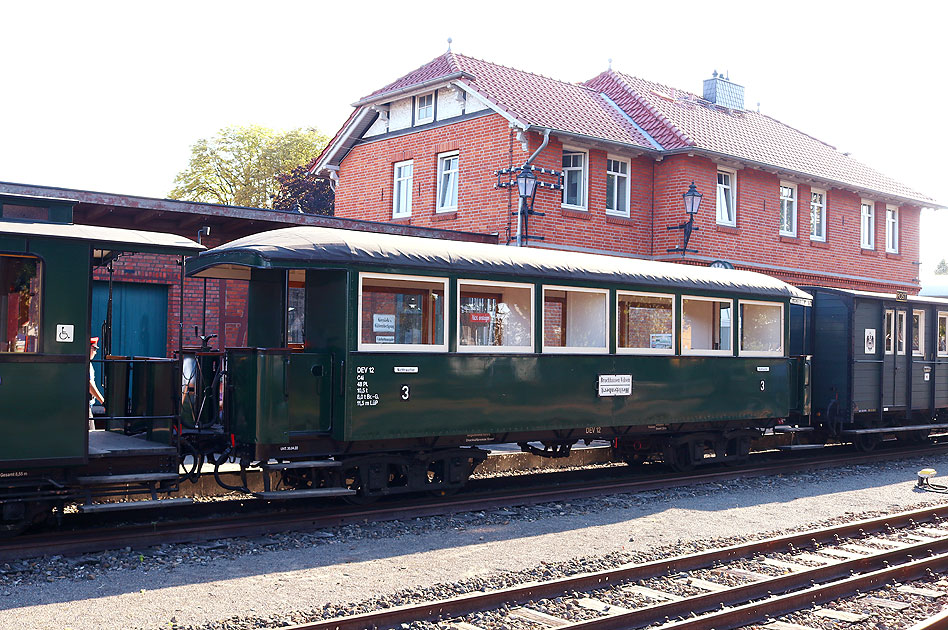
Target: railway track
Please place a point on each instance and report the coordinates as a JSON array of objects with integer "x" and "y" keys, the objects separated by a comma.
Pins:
[
  {"x": 225, "y": 519},
  {"x": 731, "y": 587}
]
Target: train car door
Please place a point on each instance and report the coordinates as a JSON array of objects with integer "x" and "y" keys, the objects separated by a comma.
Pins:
[
  {"x": 895, "y": 384},
  {"x": 922, "y": 355}
]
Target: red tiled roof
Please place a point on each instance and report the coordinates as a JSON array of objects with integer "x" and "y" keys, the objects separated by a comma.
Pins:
[
  {"x": 531, "y": 99},
  {"x": 693, "y": 122}
]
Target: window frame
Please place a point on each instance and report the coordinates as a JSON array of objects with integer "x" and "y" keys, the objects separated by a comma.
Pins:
[
  {"x": 864, "y": 229},
  {"x": 732, "y": 173},
  {"x": 419, "y": 119},
  {"x": 404, "y": 214},
  {"x": 649, "y": 351},
  {"x": 891, "y": 229},
  {"x": 942, "y": 315},
  {"x": 901, "y": 317},
  {"x": 740, "y": 329},
  {"x": 888, "y": 322},
  {"x": 730, "y": 352},
  {"x": 442, "y": 158},
  {"x": 604, "y": 349},
  {"x": 794, "y": 199},
  {"x": 405, "y": 347},
  {"x": 584, "y": 188},
  {"x": 41, "y": 309},
  {"x": 624, "y": 209},
  {"x": 822, "y": 224},
  {"x": 488, "y": 284},
  {"x": 920, "y": 330}
]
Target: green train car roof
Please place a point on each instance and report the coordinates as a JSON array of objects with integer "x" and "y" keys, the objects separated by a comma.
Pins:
[
  {"x": 301, "y": 247},
  {"x": 886, "y": 297},
  {"x": 104, "y": 238}
]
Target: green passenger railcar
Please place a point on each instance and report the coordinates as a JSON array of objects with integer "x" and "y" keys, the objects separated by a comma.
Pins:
[{"x": 390, "y": 357}]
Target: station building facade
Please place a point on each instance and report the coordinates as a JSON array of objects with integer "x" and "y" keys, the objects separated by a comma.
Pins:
[{"x": 425, "y": 151}]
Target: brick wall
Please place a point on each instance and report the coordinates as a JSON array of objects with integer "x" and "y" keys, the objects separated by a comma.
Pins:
[{"x": 486, "y": 144}]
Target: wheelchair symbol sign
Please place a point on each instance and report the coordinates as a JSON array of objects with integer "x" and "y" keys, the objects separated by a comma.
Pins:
[{"x": 65, "y": 333}]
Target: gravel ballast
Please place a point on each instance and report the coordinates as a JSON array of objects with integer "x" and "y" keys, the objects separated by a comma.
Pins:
[{"x": 287, "y": 578}]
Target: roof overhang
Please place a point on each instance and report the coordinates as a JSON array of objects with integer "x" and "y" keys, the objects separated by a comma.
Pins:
[{"x": 409, "y": 89}]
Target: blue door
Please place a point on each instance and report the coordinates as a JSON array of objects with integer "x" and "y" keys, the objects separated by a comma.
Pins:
[{"x": 139, "y": 317}]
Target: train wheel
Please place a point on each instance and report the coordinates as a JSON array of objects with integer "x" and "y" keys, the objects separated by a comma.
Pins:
[
  {"x": 913, "y": 437},
  {"x": 18, "y": 517},
  {"x": 867, "y": 442},
  {"x": 352, "y": 478},
  {"x": 680, "y": 457}
]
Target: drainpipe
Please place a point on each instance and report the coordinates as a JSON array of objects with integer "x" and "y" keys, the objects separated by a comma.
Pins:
[{"x": 520, "y": 209}]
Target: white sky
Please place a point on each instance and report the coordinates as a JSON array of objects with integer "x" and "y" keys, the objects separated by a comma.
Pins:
[{"x": 109, "y": 96}]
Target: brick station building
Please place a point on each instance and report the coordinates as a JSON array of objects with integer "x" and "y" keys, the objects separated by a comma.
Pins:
[{"x": 424, "y": 151}]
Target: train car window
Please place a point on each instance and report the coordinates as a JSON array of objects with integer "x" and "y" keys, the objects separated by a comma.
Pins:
[
  {"x": 942, "y": 334},
  {"x": 21, "y": 296},
  {"x": 900, "y": 332},
  {"x": 889, "y": 331},
  {"x": 402, "y": 313},
  {"x": 575, "y": 320},
  {"x": 918, "y": 333},
  {"x": 706, "y": 326},
  {"x": 296, "y": 313},
  {"x": 495, "y": 317},
  {"x": 761, "y": 329},
  {"x": 646, "y": 323}
]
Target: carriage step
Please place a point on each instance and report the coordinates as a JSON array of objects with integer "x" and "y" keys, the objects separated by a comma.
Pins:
[
  {"x": 133, "y": 505},
  {"x": 800, "y": 447},
  {"x": 299, "y": 494},
  {"x": 914, "y": 427},
  {"x": 316, "y": 463},
  {"x": 780, "y": 428},
  {"x": 106, "y": 480}
]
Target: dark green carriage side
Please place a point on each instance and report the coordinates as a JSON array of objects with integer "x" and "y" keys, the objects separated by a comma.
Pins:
[
  {"x": 465, "y": 396},
  {"x": 43, "y": 388}
]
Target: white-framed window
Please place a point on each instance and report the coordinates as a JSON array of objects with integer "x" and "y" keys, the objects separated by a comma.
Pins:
[
  {"x": 495, "y": 316},
  {"x": 645, "y": 323},
  {"x": 761, "y": 328},
  {"x": 892, "y": 229},
  {"x": 617, "y": 187},
  {"x": 574, "y": 179},
  {"x": 867, "y": 231},
  {"x": 575, "y": 320},
  {"x": 788, "y": 209},
  {"x": 706, "y": 325},
  {"x": 918, "y": 333},
  {"x": 942, "y": 348},
  {"x": 402, "y": 313},
  {"x": 448, "y": 182},
  {"x": 889, "y": 331},
  {"x": 424, "y": 108},
  {"x": 727, "y": 197},
  {"x": 817, "y": 214},
  {"x": 900, "y": 332},
  {"x": 401, "y": 197}
]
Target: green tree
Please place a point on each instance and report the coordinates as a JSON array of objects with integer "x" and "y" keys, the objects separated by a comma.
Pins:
[
  {"x": 302, "y": 191},
  {"x": 239, "y": 165},
  {"x": 941, "y": 269}
]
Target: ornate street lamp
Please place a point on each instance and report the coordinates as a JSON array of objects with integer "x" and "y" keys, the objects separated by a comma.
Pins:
[
  {"x": 692, "y": 202},
  {"x": 527, "y": 187}
]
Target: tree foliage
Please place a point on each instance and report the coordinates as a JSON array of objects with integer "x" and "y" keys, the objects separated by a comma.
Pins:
[
  {"x": 941, "y": 269},
  {"x": 302, "y": 191},
  {"x": 239, "y": 165}
]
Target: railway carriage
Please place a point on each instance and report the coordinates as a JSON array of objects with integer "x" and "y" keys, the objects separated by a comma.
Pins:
[
  {"x": 378, "y": 363},
  {"x": 47, "y": 455},
  {"x": 880, "y": 364}
]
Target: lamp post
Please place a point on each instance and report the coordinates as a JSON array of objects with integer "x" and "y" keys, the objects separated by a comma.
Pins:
[
  {"x": 527, "y": 187},
  {"x": 692, "y": 202}
]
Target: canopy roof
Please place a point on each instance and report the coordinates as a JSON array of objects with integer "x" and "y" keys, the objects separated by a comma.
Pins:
[
  {"x": 104, "y": 238},
  {"x": 298, "y": 247}
]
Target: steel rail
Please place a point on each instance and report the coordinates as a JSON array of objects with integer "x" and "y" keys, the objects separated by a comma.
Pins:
[
  {"x": 215, "y": 526},
  {"x": 475, "y": 602},
  {"x": 936, "y": 622}
]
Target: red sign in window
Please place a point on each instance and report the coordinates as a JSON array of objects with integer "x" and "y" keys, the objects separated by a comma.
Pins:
[{"x": 479, "y": 318}]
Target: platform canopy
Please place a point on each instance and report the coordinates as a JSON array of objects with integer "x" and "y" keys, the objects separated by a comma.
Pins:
[
  {"x": 105, "y": 239},
  {"x": 313, "y": 247}
]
